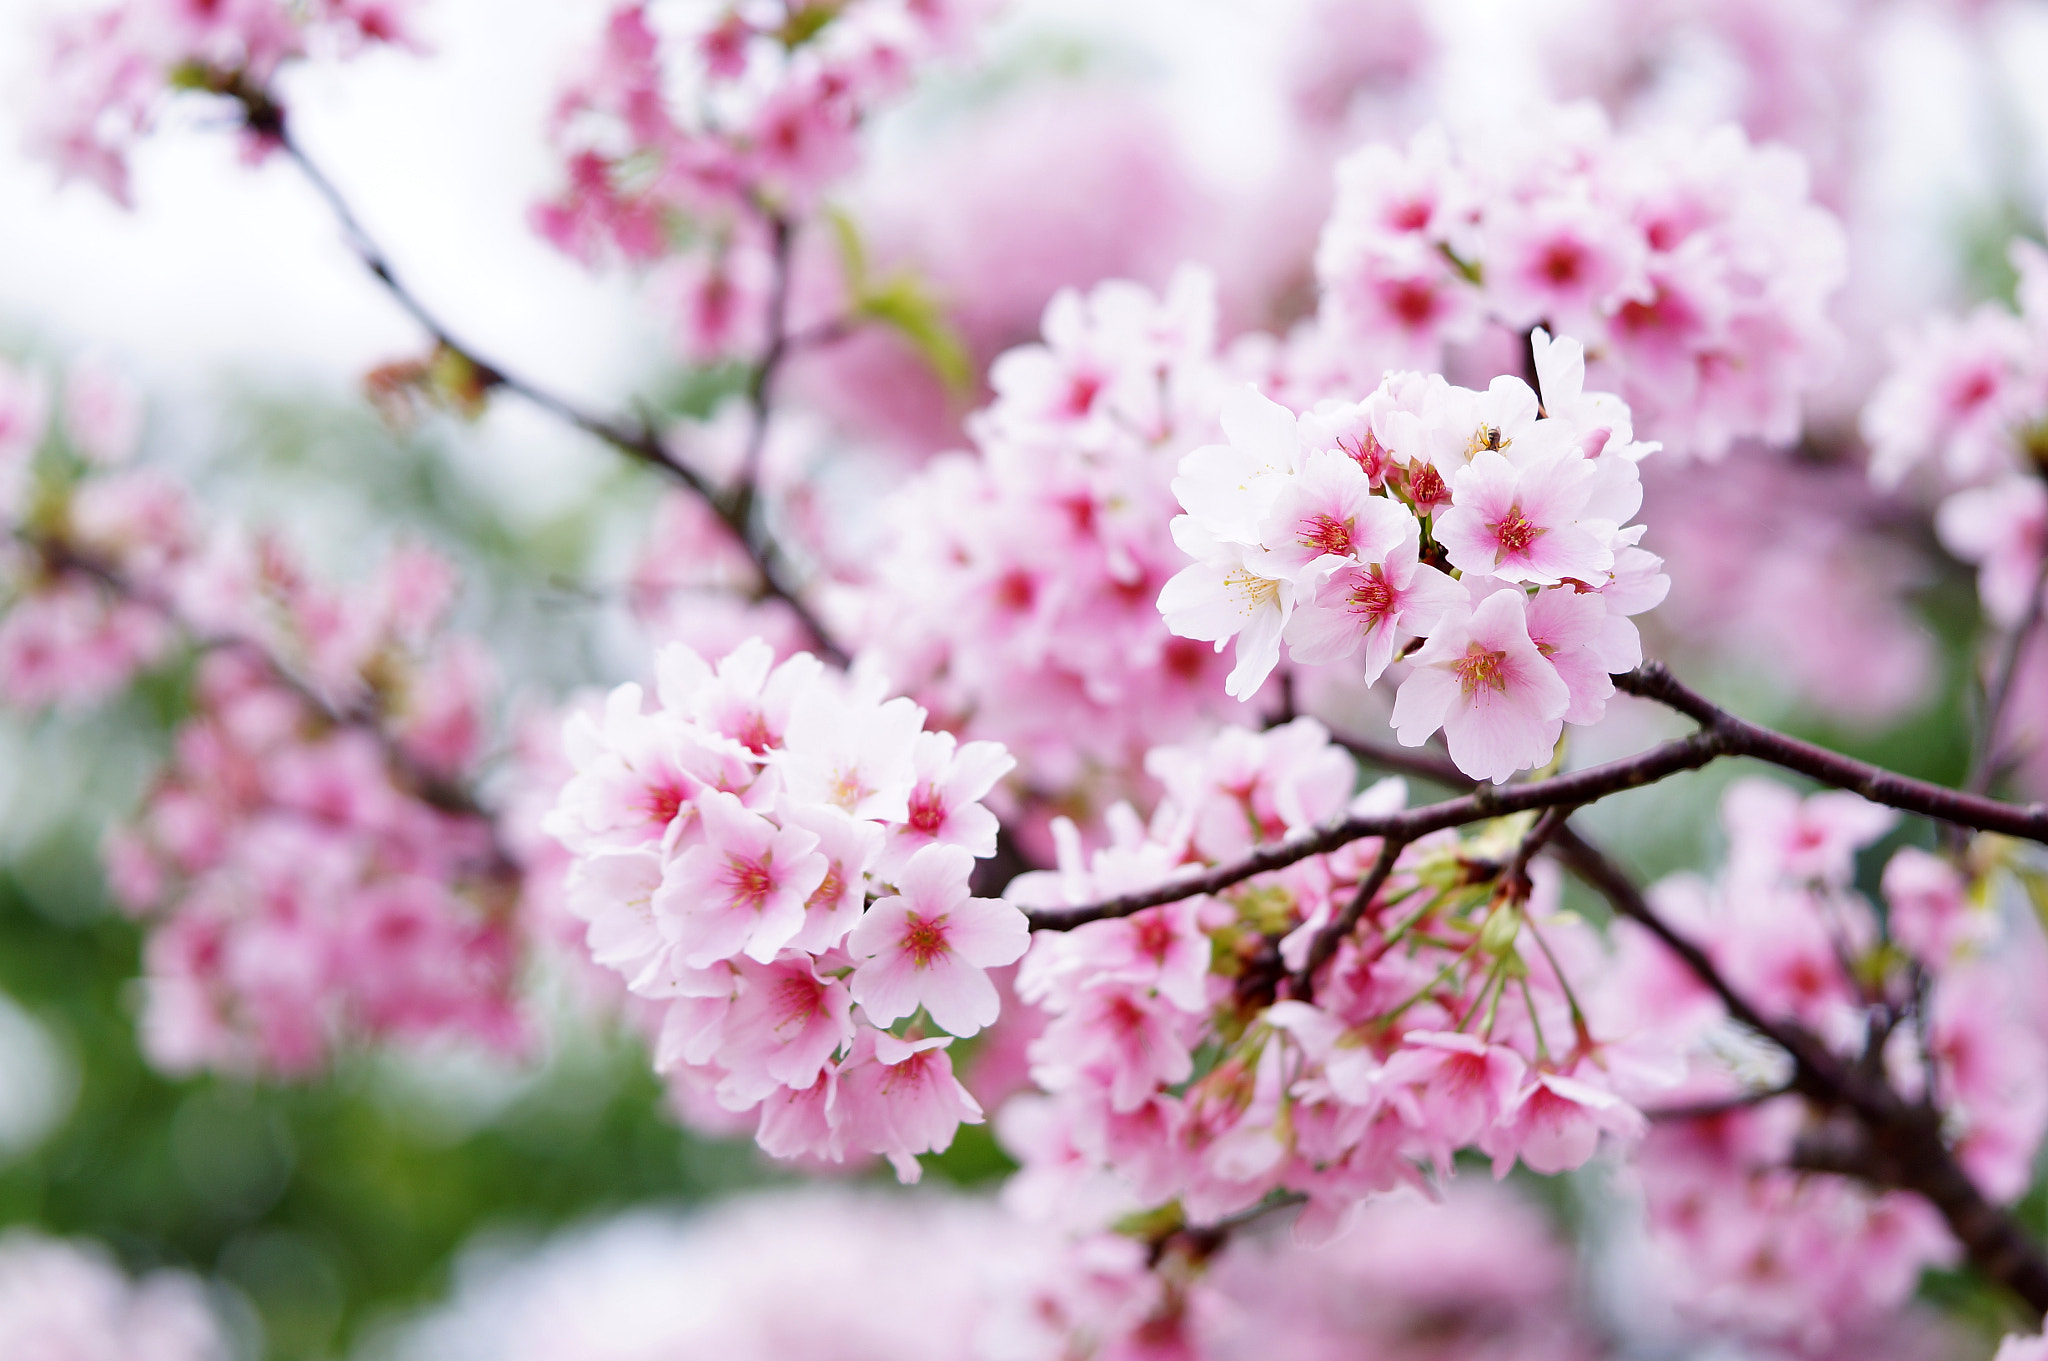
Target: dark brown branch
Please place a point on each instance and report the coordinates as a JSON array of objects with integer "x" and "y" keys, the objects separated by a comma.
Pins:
[
  {"x": 1708, "y": 1110},
  {"x": 1739, "y": 737},
  {"x": 1331, "y": 936},
  {"x": 1888, "y": 1141},
  {"x": 636, "y": 440},
  {"x": 1487, "y": 801},
  {"x": 60, "y": 559},
  {"x": 1984, "y": 762}
]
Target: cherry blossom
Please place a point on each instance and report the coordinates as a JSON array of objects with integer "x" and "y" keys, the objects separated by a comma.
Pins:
[
  {"x": 742, "y": 889},
  {"x": 1498, "y": 700},
  {"x": 774, "y": 858},
  {"x": 1692, "y": 264},
  {"x": 59, "y": 1299}
]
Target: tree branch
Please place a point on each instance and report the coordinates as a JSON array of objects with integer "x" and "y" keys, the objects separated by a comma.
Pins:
[
  {"x": 1331, "y": 936},
  {"x": 1487, "y": 801},
  {"x": 636, "y": 440},
  {"x": 1895, "y": 1143},
  {"x": 1739, "y": 737},
  {"x": 61, "y": 558}
]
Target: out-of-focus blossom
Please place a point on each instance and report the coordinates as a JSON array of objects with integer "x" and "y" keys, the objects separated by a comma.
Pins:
[
  {"x": 112, "y": 70},
  {"x": 1754, "y": 1245},
  {"x": 1693, "y": 267},
  {"x": 61, "y": 1301}
]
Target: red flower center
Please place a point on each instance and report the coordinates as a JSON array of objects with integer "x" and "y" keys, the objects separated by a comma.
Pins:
[
  {"x": 1515, "y": 532},
  {"x": 1327, "y": 534},
  {"x": 925, "y": 939}
]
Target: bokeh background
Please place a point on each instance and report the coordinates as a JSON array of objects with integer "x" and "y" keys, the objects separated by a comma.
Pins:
[{"x": 325, "y": 1213}]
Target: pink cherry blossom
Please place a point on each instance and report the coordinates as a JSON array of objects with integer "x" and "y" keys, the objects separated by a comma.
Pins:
[
  {"x": 1522, "y": 524},
  {"x": 743, "y": 889},
  {"x": 930, "y": 945},
  {"x": 2003, "y": 528},
  {"x": 1499, "y": 702},
  {"x": 1773, "y": 833},
  {"x": 784, "y": 1027},
  {"x": 904, "y": 1100},
  {"x": 951, "y": 779},
  {"x": 1371, "y": 606},
  {"x": 1554, "y": 1124}
]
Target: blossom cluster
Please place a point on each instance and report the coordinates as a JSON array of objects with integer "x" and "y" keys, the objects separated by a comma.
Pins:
[
  {"x": 1017, "y": 588},
  {"x": 1338, "y": 532},
  {"x": 1192, "y": 1057},
  {"x": 1970, "y": 395},
  {"x": 781, "y": 856},
  {"x": 1479, "y": 1275},
  {"x": 1758, "y": 1244},
  {"x": 112, "y": 70},
  {"x": 311, "y": 865},
  {"x": 699, "y": 133},
  {"x": 64, "y": 638},
  {"x": 61, "y": 1301},
  {"x": 1693, "y": 266}
]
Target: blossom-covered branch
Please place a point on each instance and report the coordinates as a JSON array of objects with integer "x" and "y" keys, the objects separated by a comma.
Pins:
[
  {"x": 1721, "y": 734},
  {"x": 1898, "y": 1143}
]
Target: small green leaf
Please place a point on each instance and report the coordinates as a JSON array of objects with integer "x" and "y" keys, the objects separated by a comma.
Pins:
[{"x": 902, "y": 304}]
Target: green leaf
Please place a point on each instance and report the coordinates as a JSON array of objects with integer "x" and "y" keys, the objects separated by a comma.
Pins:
[{"x": 902, "y": 304}]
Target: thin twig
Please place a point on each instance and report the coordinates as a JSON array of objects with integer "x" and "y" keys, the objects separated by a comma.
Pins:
[
  {"x": 1893, "y": 1142},
  {"x": 1984, "y": 762},
  {"x": 1332, "y": 935},
  {"x": 1515, "y": 878},
  {"x": 637, "y": 440}
]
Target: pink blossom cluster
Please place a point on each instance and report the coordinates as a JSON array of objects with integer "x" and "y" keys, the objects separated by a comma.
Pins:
[
  {"x": 1018, "y": 586},
  {"x": 697, "y": 130},
  {"x": 65, "y": 638},
  {"x": 311, "y": 864},
  {"x": 1765, "y": 1247},
  {"x": 1183, "y": 1062},
  {"x": 786, "y": 1275},
  {"x": 1478, "y": 1277},
  {"x": 112, "y": 70},
  {"x": 66, "y": 1302},
  {"x": 781, "y": 856},
  {"x": 1489, "y": 527},
  {"x": 1693, "y": 266},
  {"x": 313, "y": 871},
  {"x": 1970, "y": 396}
]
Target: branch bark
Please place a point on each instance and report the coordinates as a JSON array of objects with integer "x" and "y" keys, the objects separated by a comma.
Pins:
[
  {"x": 1739, "y": 737},
  {"x": 1487, "y": 801},
  {"x": 1896, "y": 1144}
]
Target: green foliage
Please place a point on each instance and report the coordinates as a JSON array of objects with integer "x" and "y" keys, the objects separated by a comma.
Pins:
[
  {"x": 332, "y": 1202},
  {"x": 901, "y": 302}
]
